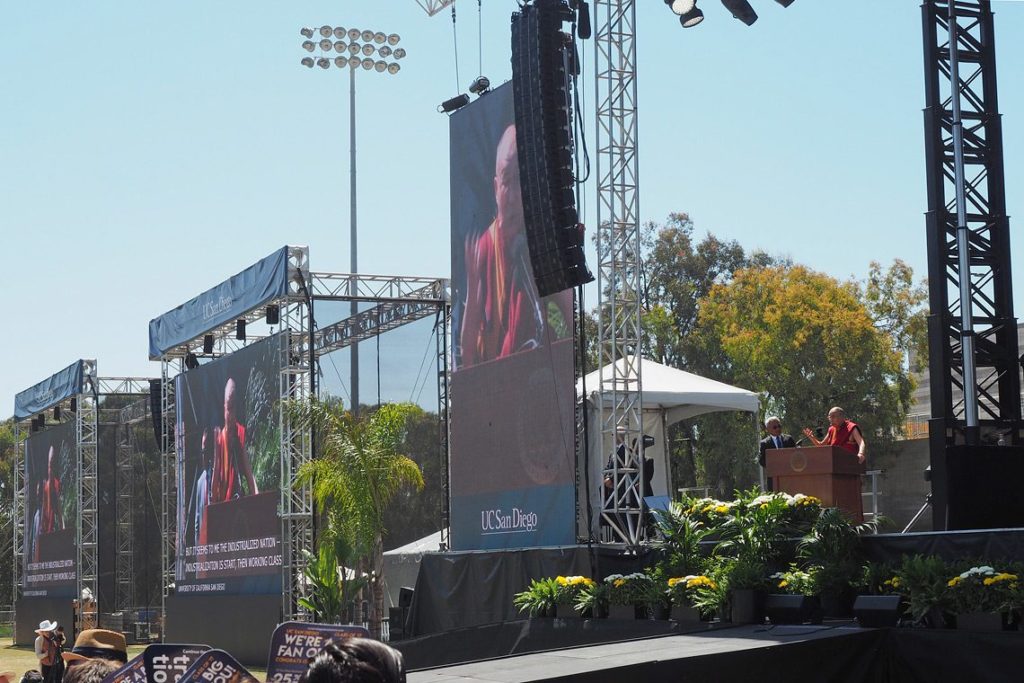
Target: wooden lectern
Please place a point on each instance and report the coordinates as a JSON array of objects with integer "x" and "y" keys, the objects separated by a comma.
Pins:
[{"x": 826, "y": 472}]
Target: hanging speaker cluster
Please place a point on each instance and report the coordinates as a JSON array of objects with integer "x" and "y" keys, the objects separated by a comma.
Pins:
[{"x": 541, "y": 55}]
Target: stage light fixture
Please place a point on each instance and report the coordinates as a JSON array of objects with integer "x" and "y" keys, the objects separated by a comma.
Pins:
[
  {"x": 326, "y": 31},
  {"x": 384, "y": 51},
  {"x": 353, "y": 34},
  {"x": 354, "y": 62},
  {"x": 367, "y": 63},
  {"x": 308, "y": 45},
  {"x": 681, "y": 7},
  {"x": 400, "y": 53},
  {"x": 323, "y": 62},
  {"x": 208, "y": 343},
  {"x": 341, "y": 62},
  {"x": 326, "y": 45},
  {"x": 394, "y": 68},
  {"x": 340, "y": 46},
  {"x": 393, "y": 39},
  {"x": 367, "y": 36},
  {"x": 240, "y": 329},
  {"x": 480, "y": 86},
  {"x": 191, "y": 362},
  {"x": 340, "y": 32},
  {"x": 354, "y": 48},
  {"x": 380, "y": 66},
  {"x": 368, "y": 49},
  {"x": 307, "y": 62},
  {"x": 741, "y": 10},
  {"x": 379, "y": 37},
  {"x": 691, "y": 18},
  {"x": 306, "y": 32},
  {"x": 454, "y": 104}
]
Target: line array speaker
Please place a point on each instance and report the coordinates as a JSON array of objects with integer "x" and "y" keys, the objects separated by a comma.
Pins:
[{"x": 541, "y": 54}]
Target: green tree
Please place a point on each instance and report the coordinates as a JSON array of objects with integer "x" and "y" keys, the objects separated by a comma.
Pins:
[
  {"x": 807, "y": 342},
  {"x": 357, "y": 474},
  {"x": 7, "y": 458}
]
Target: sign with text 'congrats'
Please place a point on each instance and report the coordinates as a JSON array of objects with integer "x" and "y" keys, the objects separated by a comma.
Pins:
[{"x": 295, "y": 643}]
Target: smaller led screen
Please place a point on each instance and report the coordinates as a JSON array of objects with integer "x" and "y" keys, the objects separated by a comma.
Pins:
[
  {"x": 51, "y": 476},
  {"x": 229, "y": 473}
]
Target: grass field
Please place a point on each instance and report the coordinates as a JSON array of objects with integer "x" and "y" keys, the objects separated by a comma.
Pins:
[{"x": 21, "y": 659}]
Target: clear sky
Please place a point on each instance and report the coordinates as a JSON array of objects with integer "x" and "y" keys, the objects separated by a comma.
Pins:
[{"x": 148, "y": 151}]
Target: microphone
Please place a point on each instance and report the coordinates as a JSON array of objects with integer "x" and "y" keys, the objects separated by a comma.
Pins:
[{"x": 801, "y": 440}]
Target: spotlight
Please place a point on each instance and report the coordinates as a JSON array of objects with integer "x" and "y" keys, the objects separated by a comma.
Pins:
[
  {"x": 323, "y": 62},
  {"x": 384, "y": 51},
  {"x": 340, "y": 32},
  {"x": 307, "y": 62},
  {"x": 393, "y": 39},
  {"x": 308, "y": 45},
  {"x": 340, "y": 46},
  {"x": 691, "y": 18},
  {"x": 273, "y": 310},
  {"x": 394, "y": 68},
  {"x": 208, "y": 344},
  {"x": 681, "y": 7},
  {"x": 380, "y": 66},
  {"x": 367, "y": 49},
  {"x": 326, "y": 45},
  {"x": 353, "y": 62},
  {"x": 353, "y": 34},
  {"x": 367, "y": 63},
  {"x": 240, "y": 329},
  {"x": 326, "y": 31},
  {"x": 400, "y": 53},
  {"x": 306, "y": 32},
  {"x": 480, "y": 86},
  {"x": 354, "y": 48},
  {"x": 454, "y": 104},
  {"x": 379, "y": 38},
  {"x": 191, "y": 362},
  {"x": 367, "y": 36},
  {"x": 741, "y": 10},
  {"x": 341, "y": 62}
]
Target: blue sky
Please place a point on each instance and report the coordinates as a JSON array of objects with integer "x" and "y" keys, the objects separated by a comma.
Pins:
[{"x": 149, "y": 151}]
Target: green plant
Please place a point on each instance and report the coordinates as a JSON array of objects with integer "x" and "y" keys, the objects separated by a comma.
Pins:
[
  {"x": 689, "y": 590},
  {"x": 539, "y": 599},
  {"x": 328, "y": 591},
  {"x": 630, "y": 589},
  {"x": 981, "y": 589},
  {"x": 743, "y": 574},
  {"x": 571, "y": 587},
  {"x": 796, "y": 581},
  {"x": 833, "y": 545},
  {"x": 757, "y": 529},
  {"x": 592, "y": 600},
  {"x": 922, "y": 581},
  {"x": 679, "y": 538}
]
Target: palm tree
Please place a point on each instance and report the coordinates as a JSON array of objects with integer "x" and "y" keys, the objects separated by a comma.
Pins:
[{"x": 358, "y": 471}]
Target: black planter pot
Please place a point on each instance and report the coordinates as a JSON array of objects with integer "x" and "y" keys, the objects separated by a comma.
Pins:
[{"x": 747, "y": 606}]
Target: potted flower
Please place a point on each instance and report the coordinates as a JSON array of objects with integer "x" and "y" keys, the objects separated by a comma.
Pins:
[
  {"x": 742, "y": 582},
  {"x": 833, "y": 546},
  {"x": 626, "y": 594},
  {"x": 982, "y": 598},
  {"x": 687, "y": 592},
  {"x": 921, "y": 580},
  {"x": 571, "y": 589},
  {"x": 794, "y": 582},
  {"x": 540, "y": 599}
]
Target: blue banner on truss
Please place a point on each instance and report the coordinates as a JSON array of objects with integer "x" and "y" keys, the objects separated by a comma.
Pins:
[{"x": 49, "y": 392}]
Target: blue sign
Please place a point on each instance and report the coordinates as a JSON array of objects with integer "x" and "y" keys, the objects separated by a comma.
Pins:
[
  {"x": 256, "y": 285},
  {"x": 49, "y": 392}
]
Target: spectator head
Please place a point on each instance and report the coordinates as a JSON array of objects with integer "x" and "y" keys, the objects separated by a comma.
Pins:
[
  {"x": 8, "y": 677},
  {"x": 356, "y": 660},
  {"x": 90, "y": 671},
  {"x": 46, "y": 627},
  {"x": 97, "y": 643},
  {"x": 30, "y": 676}
]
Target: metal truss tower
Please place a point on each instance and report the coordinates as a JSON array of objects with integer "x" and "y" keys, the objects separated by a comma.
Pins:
[
  {"x": 86, "y": 434},
  {"x": 618, "y": 253},
  {"x": 972, "y": 331}
]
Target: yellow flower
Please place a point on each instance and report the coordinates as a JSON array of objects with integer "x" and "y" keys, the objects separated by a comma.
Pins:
[
  {"x": 952, "y": 583},
  {"x": 783, "y": 583},
  {"x": 619, "y": 582},
  {"x": 562, "y": 581}
]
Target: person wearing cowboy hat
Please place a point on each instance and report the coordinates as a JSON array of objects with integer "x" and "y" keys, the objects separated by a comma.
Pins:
[
  {"x": 46, "y": 648},
  {"x": 97, "y": 643}
]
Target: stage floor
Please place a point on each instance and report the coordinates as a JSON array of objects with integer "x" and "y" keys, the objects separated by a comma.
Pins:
[{"x": 738, "y": 653}]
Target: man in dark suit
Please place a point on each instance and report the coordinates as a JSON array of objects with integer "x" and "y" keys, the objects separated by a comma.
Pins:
[{"x": 775, "y": 439}]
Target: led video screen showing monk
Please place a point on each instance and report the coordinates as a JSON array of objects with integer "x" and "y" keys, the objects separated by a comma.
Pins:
[
  {"x": 512, "y": 420},
  {"x": 51, "y": 513},
  {"x": 228, "y": 537}
]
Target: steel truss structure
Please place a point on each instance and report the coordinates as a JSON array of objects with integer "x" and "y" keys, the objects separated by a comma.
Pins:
[
  {"x": 618, "y": 253},
  {"x": 397, "y": 301},
  {"x": 972, "y": 331},
  {"x": 81, "y": 409},
  {"x": 296, "y": 440}
]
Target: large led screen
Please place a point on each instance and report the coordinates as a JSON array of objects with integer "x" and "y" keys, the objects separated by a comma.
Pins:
[
  {"x": 51, "y": 513},
  {"x": 229, "y": 473},
  {"x": 512, "y": 420}
]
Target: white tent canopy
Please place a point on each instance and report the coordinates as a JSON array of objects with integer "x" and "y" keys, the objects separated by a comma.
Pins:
[
  {"x": 668, "y": 395},
  {"x": 402, "y": 564}
]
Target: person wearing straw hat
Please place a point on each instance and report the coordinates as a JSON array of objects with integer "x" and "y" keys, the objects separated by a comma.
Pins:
[
  {"x": 46, "y": 648},
  {"x": 97, "y": 643}
]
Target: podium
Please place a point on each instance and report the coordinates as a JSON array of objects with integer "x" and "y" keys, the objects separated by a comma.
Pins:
[{"x": 826, "y": 472}]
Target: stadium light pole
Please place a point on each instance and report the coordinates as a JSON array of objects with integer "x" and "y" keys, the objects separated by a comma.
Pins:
[{"x": 361, "y": 48}]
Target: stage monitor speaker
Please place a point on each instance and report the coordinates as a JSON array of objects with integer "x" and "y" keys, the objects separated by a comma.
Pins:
[
  {"x": 405, "y": 595},
  {"x": 877, "y": 611},
  {"x": 208, "y": 344},
  {"x": 792, "y": 609},
  {"x": 543, "y": 112},
  {"x": 273, "y": 314},
  {"x": 983, "y": 485}
]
